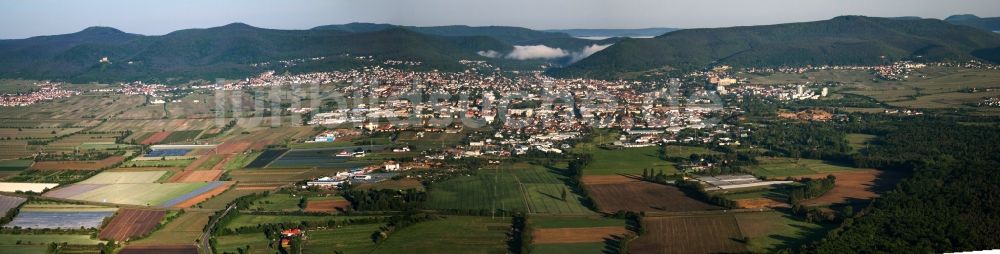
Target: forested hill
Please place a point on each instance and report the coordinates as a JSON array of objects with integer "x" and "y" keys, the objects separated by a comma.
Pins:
[
  {"x": 507, "y": 34},
  {"x": 842, "y": 40},
  {"x": 989, "y": 24},
  {"x": 226, "y": 51}
]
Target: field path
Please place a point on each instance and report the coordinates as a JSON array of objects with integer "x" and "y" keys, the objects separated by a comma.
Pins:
[{"x": 524, "y": 193}]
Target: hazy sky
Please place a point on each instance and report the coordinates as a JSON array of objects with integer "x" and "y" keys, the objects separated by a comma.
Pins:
[{"x": 25, "y": 18}]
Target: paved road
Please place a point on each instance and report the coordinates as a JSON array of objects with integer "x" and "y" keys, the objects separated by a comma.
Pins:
[{"x": 206, "y": 248}]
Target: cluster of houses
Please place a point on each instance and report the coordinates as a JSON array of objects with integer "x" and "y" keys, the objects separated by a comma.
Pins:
[{"x": 45, "y": 91}]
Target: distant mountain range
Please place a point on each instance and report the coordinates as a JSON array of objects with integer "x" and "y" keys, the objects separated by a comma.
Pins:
[
  {"x": 232, "y": 50},
  {"x": 609, "y": 33},
  {"x": 842, "y": 40},
  {"x": 238, "y": 50},
  {"x": 991, "y": 24}
]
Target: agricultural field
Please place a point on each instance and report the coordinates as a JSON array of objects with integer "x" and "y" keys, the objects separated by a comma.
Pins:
[
  {"x": 572, "y": 248},
  {"x": 274, "y": 177},
  {"x": 257, "y": 242},
  {"x": 240, "y": 161},
  {"x": 159, "y": 248},
  {"x": 10, "y": 240},
  {"x": 574, "y": 221},
  {"x": 690, "y": 234},
  {"x": 51, "y": 176},
  {"x": 129, "y": 223},
  {"x": 266, "y": 157},
  {"x": 15, "y": 149},
  {"x": 347, "y": 239},
  {"x": 36, "y": 132},
  {"x": 769, "y": 232},
  {"x": 158, "y": 163},
  {"x": 577, "y": 235},
  {"x": 685, "y": 152},
  {"x": 401, "y": 184},
  {"x": 183, "y": 230},
  {"x": 779, "y": 167},
  {"x": 220, "y": 201},
  {"x": 462, "y": 234},
  {"x": 484, "y": 191},
  {"x": 277, "y": 202},
  {"x": 630, "y": 161},
  {"x": 56, "y": 215},
  {"x": 323, "y": 158},
  {"x": 520, "y": 187},
  {"x": 326, "y": 204},
  {"x": 7, "y": 203},
  {"x": 858, "y": 142},
  {"x": 181, "y": 136},
  {"x": 12, "y": 167},
  {"x": 148, "y": 194},
  {"x": 26, "y": 187},
  {"x": 614, "y": 193},
  {"x": 856, "y": 186},
  {"x": 78, "y": 165},
  {"x": 125, "y": 177},
  {"x": 252, "y": 220}
]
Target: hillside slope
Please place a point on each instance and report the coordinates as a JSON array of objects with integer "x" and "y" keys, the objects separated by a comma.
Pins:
[
  {"x": 842, "y": 40},
  {"x": 226, "y": 51}
]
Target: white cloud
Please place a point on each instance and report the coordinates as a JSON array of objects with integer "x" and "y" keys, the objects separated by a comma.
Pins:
[
  {"x": 587, "y": 51},
  {"x": 536, "y": 52},
  {"x": 490, "y": 53},
  {"x": 545, "y": 52}
]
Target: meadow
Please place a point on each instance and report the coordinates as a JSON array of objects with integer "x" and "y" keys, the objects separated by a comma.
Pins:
[
  {"x": 778, "y": 167},
  {"x": 461, "y": 234},
  {"x": 519, "y": 187}
]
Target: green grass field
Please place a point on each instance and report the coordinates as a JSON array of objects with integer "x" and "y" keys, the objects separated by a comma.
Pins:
[
  {"x": 12, "y": 239},
  {"x": 257, "y": 242},
  {"x": 247, "y": 220},
  {"x": 456, "y": 234},
  {"x": 569, "y": 248},
  {"x": 210, "y": 162},
  {"x": 14, "y": 165},
  {"x": 772, "y": 231},
  {"x": 181, "y": 136},
  {"x": 26, "y": 249},
  {"x": 520, "y": 186},
  {"x": 859, "y": 141},
  {"x": 240, "y": 161},
  {"x": 626, "y": 161},
  {"x": 778, "y": 167},
  {"x": 276, "y": 202},
  {"x": 686, "y": 151},
  {"x": 486, "y": 190},
  {"x": 346, "y": 239}
]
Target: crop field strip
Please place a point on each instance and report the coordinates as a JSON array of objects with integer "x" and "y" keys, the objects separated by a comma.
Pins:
[
  {"x": 7, "y": 203},
  {"x": 67, "y": 216},
  {"x": 627, "y": 194},
  {"x": 701, "y": 234},
  {"x": 124, "y": 177},
  {"x": 130, "y": 223}
]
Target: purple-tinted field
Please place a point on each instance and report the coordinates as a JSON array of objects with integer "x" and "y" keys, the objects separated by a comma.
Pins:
[
  {"x": 7, "y": 203},
  {"x": 72, "y": 190}
]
